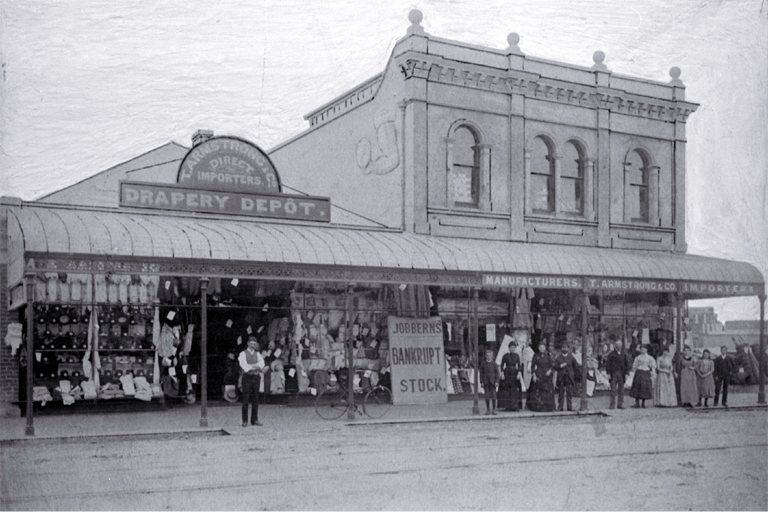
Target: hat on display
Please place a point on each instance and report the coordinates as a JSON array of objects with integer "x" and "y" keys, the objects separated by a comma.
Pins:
[
  {"x": 75, "y": 374},
  {"x": 230, "y": 394},
  {"x": 64, "y": 374},
  {"x": 64, "y": 319}
]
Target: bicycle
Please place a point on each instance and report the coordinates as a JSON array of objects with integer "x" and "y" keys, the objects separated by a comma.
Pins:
[{"x": 332, "y": 403}]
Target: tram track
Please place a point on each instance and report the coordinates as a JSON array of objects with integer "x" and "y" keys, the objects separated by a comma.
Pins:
[{"x": 584, "y": 458}]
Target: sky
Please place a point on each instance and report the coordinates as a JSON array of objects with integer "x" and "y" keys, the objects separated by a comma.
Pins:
[{"x": 89, "y": 84}]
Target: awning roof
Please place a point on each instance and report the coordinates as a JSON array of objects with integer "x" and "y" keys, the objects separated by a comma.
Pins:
[{"x": 52, "y": 230}]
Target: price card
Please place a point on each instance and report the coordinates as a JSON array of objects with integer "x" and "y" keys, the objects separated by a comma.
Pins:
[
  {"x": 167, "y": 285},
  {"x": 171, "y": 315},
  {"x": 229, "y": 323},
  {"x": 374, "y": 343},
  {"x": 313, "y": 391},
  {"x": 193, "y": 378},
  {"x": 278, "y": 352},
  {"x": 235, "y": 281},
  {"x": 490, "y": 332},
  {"x": 634, "y": 334},
  {"x": 184, "y": 368},
  {"x": 303, "y": 373},
  {"x": 38, "y": 356},
  {"x": 265, "y": 308},
  {"x": 259, "y": 329},
  {"x": 249, "y": 330},
  {"x": 239, "y": 340},
  {"x": 367, "y": 373},
  {"x": 172, "y": 371},
  {"x": 454, "y": 371},
  {"x": 292, "y": 372},
  {"x": 403, "y": 287}
]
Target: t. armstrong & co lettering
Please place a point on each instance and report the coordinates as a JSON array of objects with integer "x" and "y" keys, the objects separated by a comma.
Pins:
[{"x": 632, "y": 285}]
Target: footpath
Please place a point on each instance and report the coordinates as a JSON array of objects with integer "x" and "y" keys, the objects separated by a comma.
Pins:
[{"x": 224, "y": 418}]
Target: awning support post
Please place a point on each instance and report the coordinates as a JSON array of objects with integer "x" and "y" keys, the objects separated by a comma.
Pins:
[
  {"x": 29, "y": 282},
  {"x": 204, "y": 352},
  {"x": 475, "y": 350},
  {"x": 350, "y": 354},
  {"x": 763, "y": 355},
  {"x": 584, "y": 406},
  {"x": 679, "y": 327}
]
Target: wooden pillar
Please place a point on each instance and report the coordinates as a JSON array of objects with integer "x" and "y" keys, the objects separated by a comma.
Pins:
[
  {"x": 679, "y": 327},
  {"x": 584, "y": 406},
  {"x": 29, "y": 283},
  {"x": 763, "y": 356},
  {"x": 475, "y": 349},
  {"x": 204, "y": 352},
  {"x": 350, "y": 354}
]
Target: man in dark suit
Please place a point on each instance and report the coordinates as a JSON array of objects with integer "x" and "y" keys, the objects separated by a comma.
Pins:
[
  {"x": 617, "y": 366},
  {"x": 565, "y": 365},
  {"x": 724, "y": 365}
]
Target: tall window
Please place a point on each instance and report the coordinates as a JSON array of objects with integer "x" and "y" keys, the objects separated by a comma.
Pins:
[
  {"x": 637, "y": 193},
  {"x": 542, "y": 177},
  {"x": 571, "y": 198},
  {"x": 466, "y": 168}
]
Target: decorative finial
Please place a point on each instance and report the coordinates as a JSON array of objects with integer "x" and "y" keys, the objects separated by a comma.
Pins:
[
  {"x": 415, "y": 17},
  {"x": 674, "y": 72},
  {"x": 513, "y": 38},
  {"x": 598, "y": 57}
]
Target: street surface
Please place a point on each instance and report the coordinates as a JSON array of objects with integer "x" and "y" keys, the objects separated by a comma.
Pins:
[{"x": 653, "y": 459}]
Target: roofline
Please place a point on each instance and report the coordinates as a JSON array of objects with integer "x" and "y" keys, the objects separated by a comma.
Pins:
[
  {"x": 112, "y": 168},
  {"x": 193, "y": 215}
]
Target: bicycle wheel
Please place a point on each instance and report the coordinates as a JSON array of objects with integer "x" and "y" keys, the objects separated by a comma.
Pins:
[
  {"x": 377, "y": 402},
  {"x": 331, "y": 404}
]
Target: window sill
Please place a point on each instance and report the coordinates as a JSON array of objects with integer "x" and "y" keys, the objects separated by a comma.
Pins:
[
  {"x": 643, "y": 227},
  {"x": 562, "y": 219},
  {"x": 468, "y": 212}
]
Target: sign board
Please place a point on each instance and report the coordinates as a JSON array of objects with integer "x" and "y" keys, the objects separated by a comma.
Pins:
[
  {"x": 720, "y": 289},
  {"x": 632, "y": 285},
  {"x": 17, "y": 297},
  {"x": 174, "y": 197},
  {"x": 229, "y": 164},
  {"x": 417, "y": 360},
  {"x": 531, "y": 281}
]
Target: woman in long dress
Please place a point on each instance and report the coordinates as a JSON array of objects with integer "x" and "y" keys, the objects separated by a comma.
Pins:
[
  {"x": 689, "y": 392},
  {"x": 642, "y": 384},
  {"x": 541, "y": 396},
  {"x": 509, "y": 387},
  {"x": 664, "y": 393},
  {"x": 705, "y": 368}
]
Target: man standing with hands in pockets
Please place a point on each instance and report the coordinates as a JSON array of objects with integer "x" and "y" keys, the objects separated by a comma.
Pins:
[{"x": 252, "y": 365}]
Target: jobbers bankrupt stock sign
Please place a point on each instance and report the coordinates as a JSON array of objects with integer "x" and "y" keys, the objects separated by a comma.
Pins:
[{"x": 417, "y": 360}]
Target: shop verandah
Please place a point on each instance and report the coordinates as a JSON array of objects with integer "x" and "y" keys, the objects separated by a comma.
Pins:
[{"x": 277, "y": 279}]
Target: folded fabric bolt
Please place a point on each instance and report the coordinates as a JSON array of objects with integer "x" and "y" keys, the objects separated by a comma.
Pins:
[{"x": 41, "y": 394}]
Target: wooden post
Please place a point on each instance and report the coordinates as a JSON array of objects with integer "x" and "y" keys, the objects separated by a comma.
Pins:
[
  {"x": 204, "y": 352},
  {"x": 29, "y": 282},
  {"x": 763, "y": 356},
  {"x": 584, "y": 406},
  {"x": 476, "y": 350},
  {"x": 350, "y": 354},
  {"x": 679, "y": 327}
]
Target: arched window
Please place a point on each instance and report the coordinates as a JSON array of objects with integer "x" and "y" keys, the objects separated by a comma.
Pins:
[
  {"x": 637, "y": 187},
  {"x": 465, "y": 176},
  {"x": 571, "y": 197},
  {"x": 542, "y": 176}
]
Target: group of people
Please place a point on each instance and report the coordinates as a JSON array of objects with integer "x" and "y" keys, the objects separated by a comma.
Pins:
[
  {"x": 540, "y": 375},
  {"x": 666, "y": 381},
  {"x": 686, "y": 381}
]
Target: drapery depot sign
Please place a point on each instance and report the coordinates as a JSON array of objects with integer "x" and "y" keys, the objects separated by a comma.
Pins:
[
  {"x": 171, "y": 197},
  {"x": 226, "y": 175},
  {"x": 417, "y": 360}
]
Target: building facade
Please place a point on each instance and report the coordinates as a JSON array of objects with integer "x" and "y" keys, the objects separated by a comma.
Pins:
[{"x": 512, "y": 197}]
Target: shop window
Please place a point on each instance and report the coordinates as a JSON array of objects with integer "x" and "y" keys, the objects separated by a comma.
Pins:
[
  {"x": 637, "y": 187},
  {"x": 571, "y": 198},
  {"x": 542, "y": 176},
  {"x": 466, "y": 168}
]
